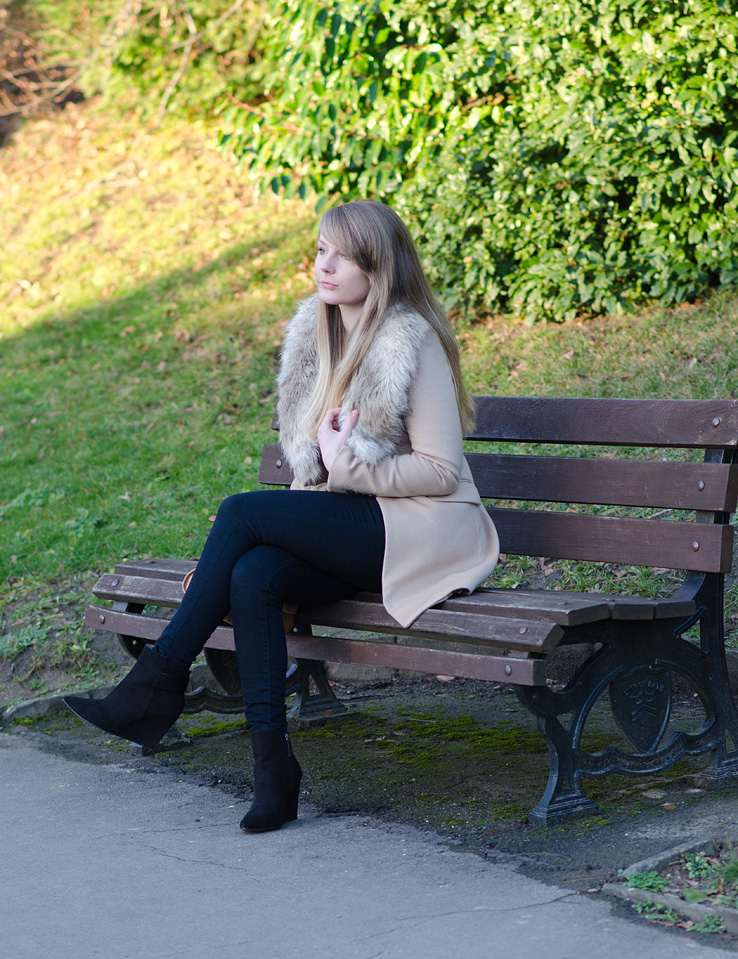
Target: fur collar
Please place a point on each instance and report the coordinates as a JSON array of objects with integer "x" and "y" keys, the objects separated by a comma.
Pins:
[{"x": 379, "y": 389}]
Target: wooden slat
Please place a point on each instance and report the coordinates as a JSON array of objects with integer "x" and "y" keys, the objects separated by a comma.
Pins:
[
  {"x": 548, "y": 606},
  {"x": 569, "y": 608},
  {"x": 138, "y": 589},
  {"x": 637, "y": 542},
  {"x": 174, "y": 569},
  {"x": 519, "y": 670},
  {"x": 364, "y": 613},
  {"x": 273, "y": 468},
  {"x": 141, "y": 626},
  {"x": 554, "y": 606},
  {"x": 610, "y": 482},
  {"x": 611, "y": 422},
  {"x": 501, "y": 669}
]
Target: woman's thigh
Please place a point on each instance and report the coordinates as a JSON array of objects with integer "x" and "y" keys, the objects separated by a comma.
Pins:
[{"x": 339, "y": 533}]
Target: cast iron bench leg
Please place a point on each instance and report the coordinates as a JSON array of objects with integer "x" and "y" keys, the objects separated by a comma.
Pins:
[{"x": 635, "y": 668}]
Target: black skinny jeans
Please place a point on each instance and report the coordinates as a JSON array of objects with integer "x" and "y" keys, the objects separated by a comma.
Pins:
[{"x": 265, "y": 549}]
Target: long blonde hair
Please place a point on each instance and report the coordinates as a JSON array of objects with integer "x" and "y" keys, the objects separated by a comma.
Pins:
[{"x": 377, "y": 240}]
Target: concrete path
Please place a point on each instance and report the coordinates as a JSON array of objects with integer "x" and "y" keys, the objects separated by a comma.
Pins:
[{"x": 108, "y": 861}]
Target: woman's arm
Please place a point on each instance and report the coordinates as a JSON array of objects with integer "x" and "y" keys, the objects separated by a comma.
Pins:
[{"x": 433, "y": 465}]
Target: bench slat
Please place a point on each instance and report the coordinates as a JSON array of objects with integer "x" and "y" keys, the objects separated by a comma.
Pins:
[
  {"x": 139, "y": 589},
  {"x": 174, "y": 569},
  {"x": 637, "y": 542},
  {"x": 273, "y": 468},
  {"x": 548, "y": 606},
  {"x": 364, "y": 613},
  {"x": 500, "y": 669},
  {"x": 141, "y": 626},
  {"x": 700, "y": 424},
  {"x": 560, "y": 479},
  {"x": 506, "y": 669},
  {"x": 569, "y": 608},
  {"x": 578, "y": 480}
]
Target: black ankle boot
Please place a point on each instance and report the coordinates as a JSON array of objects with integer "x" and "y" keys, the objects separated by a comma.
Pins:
[
  {"x": 142, "y": 707},
  {"x": 277, "y": 777}
]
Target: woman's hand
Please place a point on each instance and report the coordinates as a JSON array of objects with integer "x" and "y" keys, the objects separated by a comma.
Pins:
[{"x": 331, "y": 439}]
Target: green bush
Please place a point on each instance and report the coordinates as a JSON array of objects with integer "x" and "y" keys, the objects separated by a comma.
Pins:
[{"x": 552, "y": 158}]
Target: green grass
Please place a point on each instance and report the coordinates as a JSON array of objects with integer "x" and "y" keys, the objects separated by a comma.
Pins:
[
  {"x": 144, "y": 296},
  {"x": 138, "y": 344}
]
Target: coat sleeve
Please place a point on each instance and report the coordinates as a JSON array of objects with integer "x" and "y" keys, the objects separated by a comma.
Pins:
[{"x": 433, "y": 464}]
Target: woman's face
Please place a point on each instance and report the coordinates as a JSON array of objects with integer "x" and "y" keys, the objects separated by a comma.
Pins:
[{"x": 340, "y": 281}]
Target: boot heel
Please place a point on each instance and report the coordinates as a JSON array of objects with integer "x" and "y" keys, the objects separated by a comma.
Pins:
[{"x": 290, "y": 806}]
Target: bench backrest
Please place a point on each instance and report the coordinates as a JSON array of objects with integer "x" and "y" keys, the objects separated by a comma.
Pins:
[{"x": 692, "y": 500}]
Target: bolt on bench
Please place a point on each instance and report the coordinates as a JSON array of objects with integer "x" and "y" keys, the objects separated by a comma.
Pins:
[{"x": 667, "y": 513}]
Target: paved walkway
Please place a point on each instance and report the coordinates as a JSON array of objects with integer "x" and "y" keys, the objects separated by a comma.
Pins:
[{"x": 108, "y": 861}]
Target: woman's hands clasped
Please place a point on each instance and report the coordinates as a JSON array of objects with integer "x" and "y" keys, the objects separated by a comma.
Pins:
[{"x": 332, "y": 438}]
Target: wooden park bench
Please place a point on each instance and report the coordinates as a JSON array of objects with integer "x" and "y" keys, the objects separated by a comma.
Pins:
[{"x": 646, "y": 483}]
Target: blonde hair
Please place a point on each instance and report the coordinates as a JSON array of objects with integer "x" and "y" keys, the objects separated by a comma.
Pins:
[{"x": 377, "y": 240}]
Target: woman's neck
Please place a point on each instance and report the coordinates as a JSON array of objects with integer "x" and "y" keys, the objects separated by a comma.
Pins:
[{"x": 350, "y": 313}]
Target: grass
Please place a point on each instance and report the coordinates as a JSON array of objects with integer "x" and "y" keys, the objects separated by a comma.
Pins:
[{"x": 144, "y": 296}]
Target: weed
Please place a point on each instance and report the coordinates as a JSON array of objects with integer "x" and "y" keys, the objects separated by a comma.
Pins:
[
  {"x": 711, "y": 924},
  {"x": 657, "y": 913},
  {"x": 697, "y": 865},
  {"x": 28, "y": 637},
  {"x": 727, "y": 872},
  {"x": 650, "y": 881}
]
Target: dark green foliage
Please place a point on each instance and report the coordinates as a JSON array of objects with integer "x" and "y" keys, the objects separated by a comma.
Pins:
[{"x": 553, "y": 158}]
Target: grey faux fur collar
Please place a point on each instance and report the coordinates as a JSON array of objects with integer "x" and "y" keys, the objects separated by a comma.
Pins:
[{"x": 379, "y": 389}]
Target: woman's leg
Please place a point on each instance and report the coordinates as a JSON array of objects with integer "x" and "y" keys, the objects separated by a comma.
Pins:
[
  {"x": 263, "y": 580},
  {"x": 340, "y": 534}
]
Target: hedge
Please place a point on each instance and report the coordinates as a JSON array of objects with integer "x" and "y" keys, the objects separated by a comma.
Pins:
[{"x": 552, "y": 158}]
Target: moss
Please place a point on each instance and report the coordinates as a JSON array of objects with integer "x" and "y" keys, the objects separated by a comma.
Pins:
[
  {"x": 213, "y": 727},
  {"x": 27, "y": 722}
]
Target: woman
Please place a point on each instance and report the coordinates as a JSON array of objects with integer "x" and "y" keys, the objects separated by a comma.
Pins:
[{"x": 371, "y": 402}]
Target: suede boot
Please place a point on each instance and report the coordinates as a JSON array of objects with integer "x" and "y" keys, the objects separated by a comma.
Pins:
[
  {"x": 142, "y": 707},
  {"x": 277, "y": 777}
]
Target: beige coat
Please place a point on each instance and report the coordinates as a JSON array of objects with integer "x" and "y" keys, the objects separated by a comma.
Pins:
[{"x": 439, "y": 537}]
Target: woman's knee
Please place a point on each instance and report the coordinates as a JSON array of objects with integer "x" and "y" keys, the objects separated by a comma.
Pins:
[
  {"x": 232, "y": 508},
  {"x": 256, "y": 576}
]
